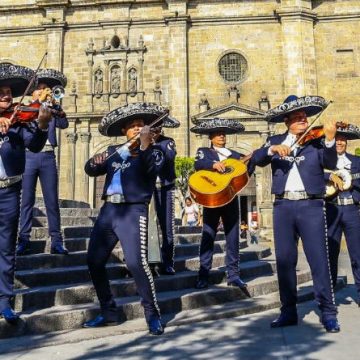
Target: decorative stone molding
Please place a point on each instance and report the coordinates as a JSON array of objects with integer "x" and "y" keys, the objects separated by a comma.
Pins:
[
  {"x": 71, "y": 138},
  {"x": 85, "y": 137}
]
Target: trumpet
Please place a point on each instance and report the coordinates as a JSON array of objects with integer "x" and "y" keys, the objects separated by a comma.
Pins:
[{"x": 58, "y": 92}]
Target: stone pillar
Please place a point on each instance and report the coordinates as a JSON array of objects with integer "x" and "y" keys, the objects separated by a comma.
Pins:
[
  {"x": 90, "y": 63},
  {"x": 178, "y": 71},
  {"x": 140, "y": 90},
  {"x": 85, "y": 151},
  {"x": 71, "y": 139},
  {"x": 107, "y": 84},
  {"x": 124, "y": 86},
  {"x": 264, "y": 198},
  {"x": 297, "y": 23}
]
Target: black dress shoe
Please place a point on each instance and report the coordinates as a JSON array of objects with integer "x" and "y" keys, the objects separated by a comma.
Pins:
[
  {"x": 10, "y": 315},
  {"x": 99, "y": 321},
  {"x": 241, "y": 285},
  {"x": 59, "y": 249},
  {"x": 155, "y": 327},
  {"x": 331, "y": 326},
  {"x": 284, "y": 320},
  {"x": 202, "y": 283},
  {"x": 168, "y": 270},
  {"x": 22, "y": 248}
]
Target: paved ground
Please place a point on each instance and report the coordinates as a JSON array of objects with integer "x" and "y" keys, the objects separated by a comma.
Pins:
[{"x": 245, "y": 337}]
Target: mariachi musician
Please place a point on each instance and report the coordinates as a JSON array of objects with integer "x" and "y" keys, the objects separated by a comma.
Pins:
[
  {"x": 342, "y": 209},
  {"x": 298, "y": 186},
  {"x": 14, "y": 138},
  {"x": 129, "y": 185},
  {"x": 211, "y": 159},
  {"x": 42, "y": 165},
  {"x": 165, "y": 198}
]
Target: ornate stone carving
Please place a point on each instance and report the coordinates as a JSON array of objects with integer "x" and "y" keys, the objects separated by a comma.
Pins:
[
  {"x": 115, "y": 80},
  {"x": 99, "y": 82},
  {"x": 85, "y": 137},
  {"x": 71, "y": 138},
  {"x": 264, "y": 103},
  {"x": 234, "y": 93},
  {"x": 157, "y": 91},
  {"x": 204, "y": 103},
  {"x": 132, "y": 81}
]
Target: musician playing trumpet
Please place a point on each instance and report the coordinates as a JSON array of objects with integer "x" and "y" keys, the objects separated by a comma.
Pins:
[
  {"x": 210, "y": 159},
  {"x": 342, "y": 209},
  {"x": 43, "y": 166}
]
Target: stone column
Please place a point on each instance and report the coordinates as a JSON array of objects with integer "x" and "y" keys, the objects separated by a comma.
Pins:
[
  {"x": 264, "y": 198},
  {"x": 90, "y": 82},
  {"x": 71, "y": 139},
  {"x": 178, "y": 77},
  {"x": 297, "y": 23},
  {"x": 124, "y": 86},
  {"x": 85, "y": 150},
  {"x": 140, "y": 90}
]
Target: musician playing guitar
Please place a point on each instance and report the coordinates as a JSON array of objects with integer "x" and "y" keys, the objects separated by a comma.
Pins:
[
  {"x": 342, "y": 210},
  {"x": 210, "y": 159}
]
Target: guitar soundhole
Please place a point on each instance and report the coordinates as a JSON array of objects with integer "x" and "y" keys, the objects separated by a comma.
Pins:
[{"x": 228, "y": 170}]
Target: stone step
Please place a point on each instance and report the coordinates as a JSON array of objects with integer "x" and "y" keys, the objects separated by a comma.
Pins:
[
  {"x": 78, "y": 274},
  {"x": 230, "y": 309},
  {"x": 46, "y": 261},
  {"x": 78, "y": 212},
  {"x": 47, "y": 296},
  {"x": 63, "y": 203},
  {"x": 72, "y": 316},
  {"x": 42, "y": 245},
  {"x": 41, "y": 221},
  {"x": 84, "y": 231}
]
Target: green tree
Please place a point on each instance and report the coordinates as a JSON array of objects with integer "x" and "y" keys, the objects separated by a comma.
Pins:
[
  {"x": 357, "y": 151},
  {"x": 184, "y": 167}
]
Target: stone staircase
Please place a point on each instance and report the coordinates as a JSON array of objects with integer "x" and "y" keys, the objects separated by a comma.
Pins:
[{"x": 55, "y": 293}]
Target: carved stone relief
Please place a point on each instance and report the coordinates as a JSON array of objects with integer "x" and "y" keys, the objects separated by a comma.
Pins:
[
  {"x": 98, "y": 82},
  {"x": 132, "y": 82},
  {"x": 115, "y": 80}
]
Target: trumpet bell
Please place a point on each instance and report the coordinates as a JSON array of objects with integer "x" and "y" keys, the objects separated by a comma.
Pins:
[{"x": 58, "y": 92}]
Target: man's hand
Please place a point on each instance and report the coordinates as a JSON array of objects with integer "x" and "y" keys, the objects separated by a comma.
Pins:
[
  {"x": 4, "y": 125},
  {"x": 329, "y": 129},
  {"x": 146, "y": 137},
  {"x": 281, "y": 150},
  {"x": 338, "y": 182},
  {"x": 44, "y": 117},
  {"x": 99, "y": 159},
  {"x": 219, "y": 166}
]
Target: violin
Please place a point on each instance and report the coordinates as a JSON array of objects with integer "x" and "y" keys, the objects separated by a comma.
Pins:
[
  {"x": 317, "y": 132},
  {"x": 27, "y": 113}
]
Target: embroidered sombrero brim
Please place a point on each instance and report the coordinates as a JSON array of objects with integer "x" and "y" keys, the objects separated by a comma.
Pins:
[
  {"x": 113, "y": 123},
  {"x": 16, "y": 77},
  {"x": 228, "y": 126},
  {"x": 351, "y": 132},
  {"x": 312, "y": 105},
  {"x": 51, "y": 77}
]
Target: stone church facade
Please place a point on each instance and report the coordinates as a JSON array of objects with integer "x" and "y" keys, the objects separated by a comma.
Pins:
[{"x": 201, "y": 58}]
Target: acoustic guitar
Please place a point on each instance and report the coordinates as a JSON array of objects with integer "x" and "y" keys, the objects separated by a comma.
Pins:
[
  {"x": 346, "y": 177},
  {"x": 213, "y": 189}
]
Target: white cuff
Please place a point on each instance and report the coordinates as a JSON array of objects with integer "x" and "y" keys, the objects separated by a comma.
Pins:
[
  {"x": 270, "y": 152},
  {"x": 330, "y": 144}
]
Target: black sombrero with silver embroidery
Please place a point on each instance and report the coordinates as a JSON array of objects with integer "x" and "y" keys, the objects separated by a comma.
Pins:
[
  {"x": 312, "y": 105},
  {"x": 16, "y": 77},
  {"x": 112, "y": 123},
  {"x": 51, "y": 77},
  {"x": 228, "y": 126},
  {"x": 350, "y": 132}
]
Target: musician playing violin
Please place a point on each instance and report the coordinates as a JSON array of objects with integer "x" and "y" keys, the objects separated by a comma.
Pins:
[
  {"x": 15, "y": 137},
  {"x": 129, "y": 185},
  {"x": 210, "y": 159},
  {"x": 298, "y": 186},
  {"x": 42, "y": 165},
  {"x": 342, "y": 209}
]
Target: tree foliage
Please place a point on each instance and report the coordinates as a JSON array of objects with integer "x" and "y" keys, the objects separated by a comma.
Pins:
[{"x": 184, "y": 167}]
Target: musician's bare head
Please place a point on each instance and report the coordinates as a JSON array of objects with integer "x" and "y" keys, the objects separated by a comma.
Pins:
[
  {"x": 132, "y": 127},
  {"x": 5, "y": 97},
  {"x": 296, "y": 122},
  {"x": 218, "y": 138},
  {"x": 341, "y": 144}
]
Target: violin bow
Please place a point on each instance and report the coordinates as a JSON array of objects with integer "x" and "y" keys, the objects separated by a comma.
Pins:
[
  {"x": 310, "y": 126},
  {"x": 157, "y": 120},
  {"x": 29, "y": 85}
]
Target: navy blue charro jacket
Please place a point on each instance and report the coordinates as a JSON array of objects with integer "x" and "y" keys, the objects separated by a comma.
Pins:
[
  {"x": 310, "y": 159},
  {"x": 14, "y": 142},
  {"x": 138, "y": 173},
  {"x": 206, "y": 157},
  {"x": 56, "y": 122},
  {"x": 167, "y": 172},
  {"x": 355, "y": 184}
]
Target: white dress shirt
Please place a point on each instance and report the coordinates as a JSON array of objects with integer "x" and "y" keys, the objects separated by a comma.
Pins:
[
  {"x": 3, "y": 175},
  {"x": 223, "y": 152},
  {"x": 343, "y": 162}
]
